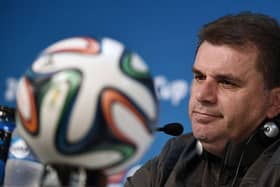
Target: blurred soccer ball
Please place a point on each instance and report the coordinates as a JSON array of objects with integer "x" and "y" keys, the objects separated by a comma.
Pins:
[{"x": 87, "y": 103}]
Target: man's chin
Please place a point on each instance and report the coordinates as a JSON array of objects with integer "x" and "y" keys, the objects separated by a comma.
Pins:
[{"x": 201, "y": 138}]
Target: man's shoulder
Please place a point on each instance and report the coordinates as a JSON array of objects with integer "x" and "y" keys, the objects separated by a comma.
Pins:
[
  {"x": 183, "y": 140},
  {"x": 273, "y": 153},
  {"x": 156, "y": 171},
  {"x": 179, "y": 141},
  {"x": 265, "y": 170},
  {"x": 175, "y": 147},
  {"x": 173, "y": 151}
]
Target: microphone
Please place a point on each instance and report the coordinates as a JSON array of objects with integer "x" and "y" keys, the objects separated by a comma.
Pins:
[{"x": 174, "y": 129}]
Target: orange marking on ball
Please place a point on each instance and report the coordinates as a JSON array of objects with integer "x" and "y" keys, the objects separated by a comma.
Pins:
[
  {"x": 30, "y": 124},
  {"x": 92, "y": 47},
  {"x": 108, "y": 98}
]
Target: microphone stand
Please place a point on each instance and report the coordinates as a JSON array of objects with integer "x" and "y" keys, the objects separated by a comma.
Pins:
[{"x": 74, "y": 177}]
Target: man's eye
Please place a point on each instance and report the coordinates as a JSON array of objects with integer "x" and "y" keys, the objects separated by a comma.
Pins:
[
  {"x": 227, "y": 84},
  {"x": 199, "y": 77}
]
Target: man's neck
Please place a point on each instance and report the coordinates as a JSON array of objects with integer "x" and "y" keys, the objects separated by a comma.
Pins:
[{"x": 217, "y": 149}]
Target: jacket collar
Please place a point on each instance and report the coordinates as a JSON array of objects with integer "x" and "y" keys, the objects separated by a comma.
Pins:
[{"x": 245, "y": 153}]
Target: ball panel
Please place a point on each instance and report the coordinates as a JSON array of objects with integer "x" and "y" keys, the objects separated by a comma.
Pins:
[
  {"x": 112, "y": 48},
  {"x": 82, "y": 45},
  {"x": 134, "y": 66},
  {"x": 130, "y": 125},
  {"x": 109, "y": 98},
  {"x": 123, "y": 151},
  {"x": 138, "y": 93},
  {"x": 27, "y": 107},
  {"x": 57, "y": 100},
  {"x": 23, "y": 100},
  {"x": 133, "y": 78}
]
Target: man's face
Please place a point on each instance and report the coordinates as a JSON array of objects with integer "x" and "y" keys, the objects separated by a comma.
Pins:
[{"x": 228, "y": 98}]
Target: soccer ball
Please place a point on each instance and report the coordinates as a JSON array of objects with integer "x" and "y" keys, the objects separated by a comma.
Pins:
[{"x": 89, "y": 103}]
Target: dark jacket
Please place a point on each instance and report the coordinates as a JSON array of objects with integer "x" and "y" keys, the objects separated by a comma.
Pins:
[{"x": 253, "y": 163}]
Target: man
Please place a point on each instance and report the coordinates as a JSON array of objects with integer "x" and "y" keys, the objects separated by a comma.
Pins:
[{"x": 234, "y": 107}]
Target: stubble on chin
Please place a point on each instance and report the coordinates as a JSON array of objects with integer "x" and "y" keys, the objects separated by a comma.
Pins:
[
  {"x": 199, "y": 134},
  {"x": 201, "y": 138},
  {"x": 214, "y": 145}
]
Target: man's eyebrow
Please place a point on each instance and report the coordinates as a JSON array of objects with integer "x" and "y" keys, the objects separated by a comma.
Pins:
[
  {"x": 229, "y": 77},
  {"x": 221, "y": 76},
  {"x": 196, "y": 71}
]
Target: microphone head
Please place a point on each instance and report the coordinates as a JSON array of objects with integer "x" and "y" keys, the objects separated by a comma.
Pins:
[{"x": 174, "y": 129}]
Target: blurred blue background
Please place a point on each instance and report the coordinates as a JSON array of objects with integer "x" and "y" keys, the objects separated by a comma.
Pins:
[{"x": 162, "y": 32}]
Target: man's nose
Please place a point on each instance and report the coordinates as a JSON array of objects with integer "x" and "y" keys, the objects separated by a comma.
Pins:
[{"x": 206, "y": 92}]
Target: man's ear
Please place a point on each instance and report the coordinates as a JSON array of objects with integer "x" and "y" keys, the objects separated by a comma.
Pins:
[{"x": 274, "y": 108}]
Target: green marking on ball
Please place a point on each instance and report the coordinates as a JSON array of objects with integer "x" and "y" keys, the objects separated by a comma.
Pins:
[{"x": 129, "y": 69}]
